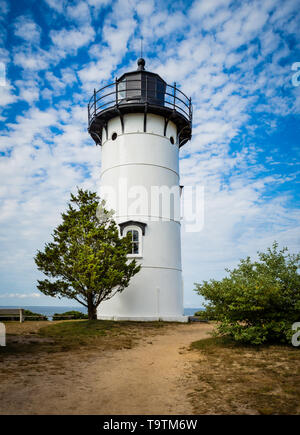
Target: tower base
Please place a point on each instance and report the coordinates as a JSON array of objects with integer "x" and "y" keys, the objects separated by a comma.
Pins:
[{"x": 181, "y": 319}]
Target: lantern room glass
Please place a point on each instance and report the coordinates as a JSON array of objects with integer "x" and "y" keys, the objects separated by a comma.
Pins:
[{"x": 141, "y": 87}]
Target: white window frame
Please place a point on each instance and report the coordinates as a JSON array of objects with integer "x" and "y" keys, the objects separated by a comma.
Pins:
[{"x": 138, "y": 229}]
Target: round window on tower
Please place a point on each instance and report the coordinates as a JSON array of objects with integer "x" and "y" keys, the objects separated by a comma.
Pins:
[
  {"x": 172, "y": 140},
  {"x": 114, "y": 136}
]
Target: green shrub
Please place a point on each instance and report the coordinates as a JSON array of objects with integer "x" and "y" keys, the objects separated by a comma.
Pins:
[
  {"x": 204, "y": 315},
  {"x": 29, "y": 315},
  {"x": 259, "y": 301},
  {"x": 70, "y": 315}
]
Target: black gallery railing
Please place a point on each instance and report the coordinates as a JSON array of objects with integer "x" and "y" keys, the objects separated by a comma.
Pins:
[{"x": 139, "y": 91}]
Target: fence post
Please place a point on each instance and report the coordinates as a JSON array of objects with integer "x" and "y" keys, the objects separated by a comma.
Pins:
[
  {"x": 2, "y": 334},
  {"x": 174, "y": 94},
  {"x": 116, "y": 84},
  {"x": 94, "y": 101}
]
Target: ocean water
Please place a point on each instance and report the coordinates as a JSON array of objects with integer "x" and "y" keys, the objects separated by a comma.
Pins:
[
  {"x": 191, "y": 311},
  {"x": 49, "y": 311}
]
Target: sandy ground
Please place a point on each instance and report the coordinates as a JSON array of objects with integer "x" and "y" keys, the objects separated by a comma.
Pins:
[{"x": 154, "y": 377}]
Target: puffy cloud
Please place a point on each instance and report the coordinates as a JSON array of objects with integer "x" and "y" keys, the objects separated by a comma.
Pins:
[
  {"x": 7, "y": 95},
  {"x": 201, "y": 8},
  {"x": 79, "y": 13},
  {"x": 71, "y": 40},
  {"x": 56, "y": 5},
  {"x": 32, "y": 60},
  {"x": 27, "y": 29}
]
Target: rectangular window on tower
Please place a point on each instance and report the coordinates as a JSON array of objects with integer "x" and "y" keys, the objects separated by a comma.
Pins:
[{"x": 134, "y": 241}]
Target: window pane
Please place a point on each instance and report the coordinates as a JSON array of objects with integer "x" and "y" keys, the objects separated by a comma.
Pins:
[
  {"x": 121, "y": 90},
  {"x": 135, "y": 247},
  {"x": 160, "y": 91},
  {"x": 133, "y": 86},
  {"x": 135, "y": 236},
  {"x": 151, "y": 87}
]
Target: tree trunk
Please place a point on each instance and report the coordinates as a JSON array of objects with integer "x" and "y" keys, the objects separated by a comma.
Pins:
[{"x": 92, "y": 313}]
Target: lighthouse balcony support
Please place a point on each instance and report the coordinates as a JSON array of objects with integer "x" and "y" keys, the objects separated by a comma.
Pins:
[{"x": 141, "y": 92}]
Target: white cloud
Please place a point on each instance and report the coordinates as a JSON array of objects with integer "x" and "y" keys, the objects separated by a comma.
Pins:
[
  {"x": 29, "y": 90},
  {"x": 202, "y": 8},
  {"x": 7, "y": 95},
  {"x": 32, "y": 60},
  {"x": 79, "y": 12},
  {"x": 71, "y": 40},
  {"x": 56, "y": 5},
  {"x": 99, "y": 3},
  {"x": 145, "y": 8},
  {"x": 27, "y": 29},
  {"x": 20, "y": 295}
]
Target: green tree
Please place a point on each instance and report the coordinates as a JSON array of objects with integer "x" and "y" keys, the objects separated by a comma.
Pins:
[
  {"x": 87, "y": 260},
  {"x": 259, "y": 300}
]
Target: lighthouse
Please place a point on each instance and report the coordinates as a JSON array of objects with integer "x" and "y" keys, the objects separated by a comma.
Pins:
[{"x": 141, "y": 122}]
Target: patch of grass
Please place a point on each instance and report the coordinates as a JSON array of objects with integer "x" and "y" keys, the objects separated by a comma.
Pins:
[
  {"x": 211, "y": 345},
  {"x": 246, "y": 379},
  {"x": 77, "y": 329},
  {"x": 63, "y": 336}
]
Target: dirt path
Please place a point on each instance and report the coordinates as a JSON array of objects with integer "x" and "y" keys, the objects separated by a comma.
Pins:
[{"x": 154, "y": 377}]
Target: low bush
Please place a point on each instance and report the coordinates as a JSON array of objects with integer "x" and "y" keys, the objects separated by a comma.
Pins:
[
  {"x": 29, "y": 315},
  {"x": 70, "y": 315},
  {"x": 204, "y": 315},
  {"x": 259, "y": 301}
]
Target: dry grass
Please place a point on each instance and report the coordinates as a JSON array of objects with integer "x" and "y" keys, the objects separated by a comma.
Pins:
[
  {"x": 52, "y": 348},
  {"x": 28, "y": 344},
  {"x": 151, "y": 378},
  {"x": 231, "y": 379},
  {"x": 235, "y": 379}
]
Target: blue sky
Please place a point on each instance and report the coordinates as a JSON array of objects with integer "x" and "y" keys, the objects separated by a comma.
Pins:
[{"x": 234, "y": 58}]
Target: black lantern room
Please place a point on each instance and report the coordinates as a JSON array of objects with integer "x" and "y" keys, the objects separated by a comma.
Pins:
[{"x": 144, "y": 92}]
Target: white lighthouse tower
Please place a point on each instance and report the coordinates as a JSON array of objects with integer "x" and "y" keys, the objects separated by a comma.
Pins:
[{"x": 141, "y": 122}]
